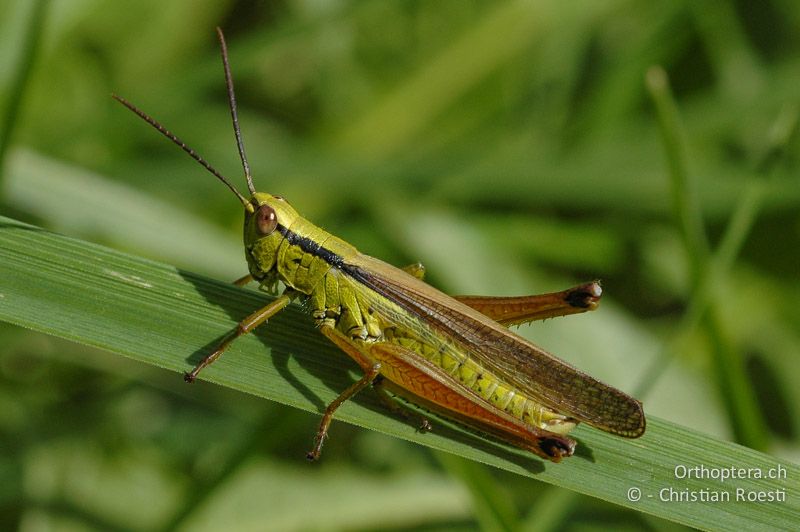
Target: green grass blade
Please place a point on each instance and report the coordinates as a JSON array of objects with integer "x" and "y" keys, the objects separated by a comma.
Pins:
[
  {"x": 684, "y": 198},
  {"x": 29, "y": 48},
  {"x": 169, "y": 318},
  {"x": 75, "y": 200},
  {"x": 492, "y": 505},
  {"x": 732, "y": 381}
]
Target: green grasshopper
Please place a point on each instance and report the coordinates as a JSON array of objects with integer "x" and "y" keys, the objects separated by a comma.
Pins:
[{"x": 451, "y": 355}]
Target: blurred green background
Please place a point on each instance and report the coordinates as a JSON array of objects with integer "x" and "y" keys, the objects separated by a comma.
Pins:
[{"x": 512, "y": 147}]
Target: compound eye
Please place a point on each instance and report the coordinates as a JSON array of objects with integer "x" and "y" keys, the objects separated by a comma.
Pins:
[{"x": 266, "y": 220}]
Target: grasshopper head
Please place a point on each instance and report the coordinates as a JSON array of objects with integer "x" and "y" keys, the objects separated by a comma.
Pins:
[{"x": 266, "y": 219}]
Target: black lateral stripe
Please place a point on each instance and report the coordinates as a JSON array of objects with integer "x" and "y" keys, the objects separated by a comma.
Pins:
[{"x": 310, "y": 246}]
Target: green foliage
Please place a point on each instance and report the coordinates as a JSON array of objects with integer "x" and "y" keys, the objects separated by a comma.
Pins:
[
  {"x": 170, "y": 318},
  {"x": 512, "y": 147}
]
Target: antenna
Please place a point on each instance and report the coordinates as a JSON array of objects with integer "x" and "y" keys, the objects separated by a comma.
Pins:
[
  {"x": 193, "y": 154},
  {"x": 234, "y": 113}
]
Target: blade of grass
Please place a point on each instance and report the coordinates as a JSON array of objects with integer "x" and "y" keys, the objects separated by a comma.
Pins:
[
  {"x": 453, "y": 71},
  {"x": 741, "y": 222},
  {"x": 684, "y": 200},
  {"x": 204, "y": 489},
  {"x": 167, "y": 317},
  {"x": 550, "y": 511},
  {"x": 27, "y": 57},
  {"x": 735, "y": 388},
  {"x": 734, "y": 61},
  {"x": 74, "y": 200},
  {"x": 492, "y": 507}
]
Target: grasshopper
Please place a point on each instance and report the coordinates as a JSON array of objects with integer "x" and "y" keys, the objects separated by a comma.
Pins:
[{"x": 451, "y": 355}]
